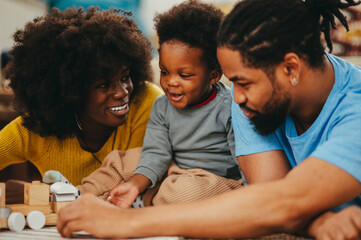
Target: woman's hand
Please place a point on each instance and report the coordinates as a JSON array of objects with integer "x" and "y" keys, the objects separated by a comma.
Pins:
[{"x": 345, "y": 224}]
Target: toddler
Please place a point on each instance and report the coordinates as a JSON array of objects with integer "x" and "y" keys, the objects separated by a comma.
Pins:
[{"x": 188, "y": 146}]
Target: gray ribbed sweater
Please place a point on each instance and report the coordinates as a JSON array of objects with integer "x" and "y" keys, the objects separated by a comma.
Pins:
[{"x": 194, "y": 137}]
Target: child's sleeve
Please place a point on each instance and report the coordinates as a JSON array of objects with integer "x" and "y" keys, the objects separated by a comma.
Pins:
[
  {"x": 157, "y": 151},
  {"x": 143, "y": 107}
]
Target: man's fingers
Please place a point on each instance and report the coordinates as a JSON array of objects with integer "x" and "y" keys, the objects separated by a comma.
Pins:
[
  {"x": 72, "y": 226},
  {"x": 67, "y": 214}
]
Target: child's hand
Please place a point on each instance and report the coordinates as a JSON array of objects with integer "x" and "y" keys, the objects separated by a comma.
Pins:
[{"x": 123, "y": 195}]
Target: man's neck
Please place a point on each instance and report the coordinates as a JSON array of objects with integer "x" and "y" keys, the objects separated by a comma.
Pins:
[{"x": 314, "y": 89}]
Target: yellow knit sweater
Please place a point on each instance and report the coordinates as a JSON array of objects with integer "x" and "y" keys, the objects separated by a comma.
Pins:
[{"x": 18, "y": 144}]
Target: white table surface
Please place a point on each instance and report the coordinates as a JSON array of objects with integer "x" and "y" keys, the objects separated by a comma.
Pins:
[{"x": 52, "y": 233}]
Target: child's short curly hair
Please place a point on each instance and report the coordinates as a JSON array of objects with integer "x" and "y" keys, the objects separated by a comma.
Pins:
[
  {"x": 193, "y": 23},
  {"x": 56, "y": 58}
]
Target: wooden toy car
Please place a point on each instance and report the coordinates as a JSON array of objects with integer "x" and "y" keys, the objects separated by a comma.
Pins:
[{"x": 37, "y": 210}]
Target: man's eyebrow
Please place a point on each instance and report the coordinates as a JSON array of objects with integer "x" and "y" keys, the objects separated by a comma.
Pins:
[{"x": 237, "y": 78}]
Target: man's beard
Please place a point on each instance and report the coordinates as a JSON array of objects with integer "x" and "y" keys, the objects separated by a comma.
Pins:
[{"x": 275, "y": 113}]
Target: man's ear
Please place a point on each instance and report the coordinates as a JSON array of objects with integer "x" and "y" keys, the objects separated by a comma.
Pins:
[
  {"x": 215, "y": 76},
  {"x": 292, "y": 65}
]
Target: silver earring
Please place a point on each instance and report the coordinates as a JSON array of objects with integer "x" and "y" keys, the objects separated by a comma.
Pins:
[
  {"x": 78, "y": 123},
  {"x": 294, "y": 81}
]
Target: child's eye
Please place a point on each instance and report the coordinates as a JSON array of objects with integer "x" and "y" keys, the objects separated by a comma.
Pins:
[
  {"x": 163, "y": 73},
  {"x": 186, "y": 75}
]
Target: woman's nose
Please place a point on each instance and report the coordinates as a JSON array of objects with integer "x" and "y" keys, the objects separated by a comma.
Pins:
[{"x": 120, "y": 90}]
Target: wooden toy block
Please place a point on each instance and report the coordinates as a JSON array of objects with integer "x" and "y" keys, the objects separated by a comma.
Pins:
[
  {"x": 2, "y": 195},
  {"x": 36, "y": 193},
  {"x": 25, "y": 209},
  {"x": 55, "y": 206},
  {"x": 3, "y": 223},
  {"x": 51, "y": 219}
]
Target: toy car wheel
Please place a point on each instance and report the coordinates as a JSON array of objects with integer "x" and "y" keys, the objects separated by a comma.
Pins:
[
  {"x": 16, "y": 221},
  {"x": 36, "y": 220}
]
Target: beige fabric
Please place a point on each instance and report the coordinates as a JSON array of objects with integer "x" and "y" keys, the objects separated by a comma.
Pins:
[
  {"x": 180, "y": 185},
  {"x": 118, "y": 166},
  {"x": 187, "y": 185}
]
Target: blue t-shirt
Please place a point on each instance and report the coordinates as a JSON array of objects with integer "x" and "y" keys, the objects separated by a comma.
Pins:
[{"x": 335, "y": 136}]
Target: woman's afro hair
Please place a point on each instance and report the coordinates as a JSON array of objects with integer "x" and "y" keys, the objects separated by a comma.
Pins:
[
  {"x": 193, "y": 23},
  {"x": 56, "y": 58}
]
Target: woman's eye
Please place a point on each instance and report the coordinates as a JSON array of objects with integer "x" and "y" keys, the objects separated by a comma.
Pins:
[
  {"x": 102, "y": 86},
  {"x": 125, "y": 78}
]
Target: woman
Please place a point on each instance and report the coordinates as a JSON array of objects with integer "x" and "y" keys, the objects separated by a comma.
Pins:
[{"x": 82, "y": 85}]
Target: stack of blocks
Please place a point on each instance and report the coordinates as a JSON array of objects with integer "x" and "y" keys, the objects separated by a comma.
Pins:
[{"x": 36, "y": 206}]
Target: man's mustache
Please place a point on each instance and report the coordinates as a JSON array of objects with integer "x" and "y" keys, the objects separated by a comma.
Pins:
[{"x": 244, "y": 106}]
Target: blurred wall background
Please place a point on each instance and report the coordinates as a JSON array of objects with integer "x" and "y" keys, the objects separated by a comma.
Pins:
[{"x": 15, "y": 13}]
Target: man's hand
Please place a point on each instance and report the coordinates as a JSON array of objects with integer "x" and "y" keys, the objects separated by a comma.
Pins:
[
  {"x": 90, "y": 214},
  {"x": 345, "y": 224}
]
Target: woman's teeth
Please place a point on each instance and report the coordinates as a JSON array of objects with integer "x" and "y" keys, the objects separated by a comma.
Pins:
[{"x": 119, "y": 108}]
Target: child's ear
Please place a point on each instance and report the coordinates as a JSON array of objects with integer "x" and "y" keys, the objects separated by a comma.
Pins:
[{"x": 215, "y": 76}]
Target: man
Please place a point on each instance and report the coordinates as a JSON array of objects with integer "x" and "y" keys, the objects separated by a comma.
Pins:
[{"x": 294, "y": 106}]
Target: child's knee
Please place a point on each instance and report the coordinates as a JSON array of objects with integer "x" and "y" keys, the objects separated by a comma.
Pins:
[
  {"x": 192, "y": 186},
  {"x": 182, "y": 188}
]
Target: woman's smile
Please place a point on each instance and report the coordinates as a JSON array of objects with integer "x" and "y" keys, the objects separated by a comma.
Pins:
[{"x": 119, "y": 110}]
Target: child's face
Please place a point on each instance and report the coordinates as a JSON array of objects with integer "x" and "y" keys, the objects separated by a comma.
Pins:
[{"x": 185, "y": 77}]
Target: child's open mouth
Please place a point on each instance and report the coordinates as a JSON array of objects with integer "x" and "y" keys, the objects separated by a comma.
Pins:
[{"x": 176, "y": 97}]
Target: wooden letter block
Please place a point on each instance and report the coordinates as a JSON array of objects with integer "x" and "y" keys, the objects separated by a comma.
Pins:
[
  {"x": 36, "y": 193},
  {"x": 55, "y": 206},
  {"x": 2, "y": 195}
]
